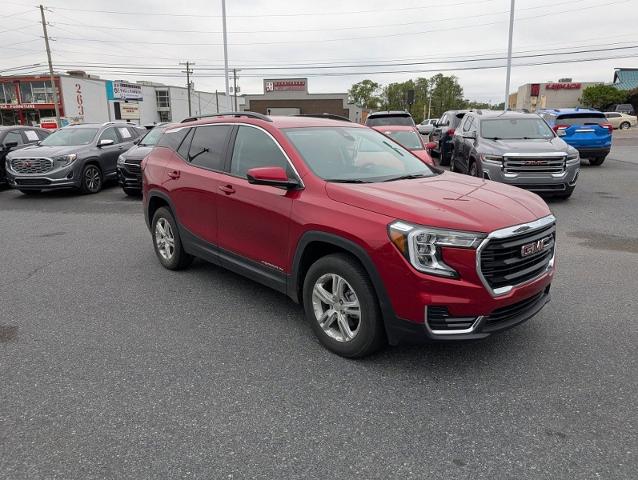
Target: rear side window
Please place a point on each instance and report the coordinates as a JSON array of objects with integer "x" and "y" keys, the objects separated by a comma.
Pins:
[
  {"x": 172, "y": 138},
  {"x": 13, "y": 137},
  {"x": 182, "y": 151},
  {"x": 581, "y": 119},
  {"x": 254, "y": 148},
  {"x": 208, "y": 146}
]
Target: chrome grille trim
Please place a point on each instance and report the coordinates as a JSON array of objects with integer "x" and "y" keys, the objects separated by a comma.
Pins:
[
  {"x": 515, "y": 231},
  {"x": 545, "y": 163},
  {"x": 31, "y": 166}
]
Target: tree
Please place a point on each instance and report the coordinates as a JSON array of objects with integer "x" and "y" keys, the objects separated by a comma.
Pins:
[
  {"x": 446, "y": 93},
  {"x": 365, "y": 94},
  {"x": 602, "y": 96}
]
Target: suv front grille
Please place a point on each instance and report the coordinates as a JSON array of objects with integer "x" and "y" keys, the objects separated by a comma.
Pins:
[
  {"x": 517, "y": 259},
  {"x": 133, "y": 167},
  {"x": 31, "y": 165},
  {"x": 515, "y": 165}
]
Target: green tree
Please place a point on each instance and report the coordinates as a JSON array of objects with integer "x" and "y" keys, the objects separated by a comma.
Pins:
[
  {"x": 447, "y": 94},
  {"x": 365, "y": 94},
  {"x": 602, "y": 96}
]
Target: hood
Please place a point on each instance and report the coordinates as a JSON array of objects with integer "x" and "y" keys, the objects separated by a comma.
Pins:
[
  {"x": 533, "y": 146},
  {"x": 448, "y": 200},
  {"x": 424, "y": 156},
  {"x": 42, "y": 151},
  {"x": 137, "y": 152}
]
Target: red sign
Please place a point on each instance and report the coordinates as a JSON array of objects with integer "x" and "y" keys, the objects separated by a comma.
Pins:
[
  {"x": 26, "y": 106},
  {"x": 285, "y": 85},
  {"x": 563, "y": 86}
]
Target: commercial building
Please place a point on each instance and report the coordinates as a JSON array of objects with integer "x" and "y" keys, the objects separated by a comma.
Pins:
[
  {"x": 626, "y": 78},
  {"x": 290, "y": 96},
  {"x": 25, "y": 100},
  {"x": 537, "y": 96}
]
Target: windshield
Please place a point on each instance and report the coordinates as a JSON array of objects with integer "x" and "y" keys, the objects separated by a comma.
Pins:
[
  {"x": 350, "y": 154},
  {"x": 581, "y": 119},
  {"x": 511, "y": 128},
  {"x": 67, "y": 137},
  {"x": 409, "y": 140},
  {"x": 390, "y": 120},
  {"x": 151, "y": 138}
]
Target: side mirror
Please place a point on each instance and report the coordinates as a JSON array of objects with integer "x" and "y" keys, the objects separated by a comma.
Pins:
[
  {"x": 273, "y": 176},
  {"x": 105, "y": 142},
  {"x": 430, "y": 146},
  {"x": 10, "y": 145}
]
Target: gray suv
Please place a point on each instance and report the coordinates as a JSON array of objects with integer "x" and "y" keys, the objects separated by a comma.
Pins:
[
  {"x": 515, "y": 148},
  {"x": 79, "y": 157}
]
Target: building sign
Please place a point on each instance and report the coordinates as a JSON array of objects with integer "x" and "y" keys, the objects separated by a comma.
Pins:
[
  {"x": 129, "y": 111},
  {"x": 27, "y": 106},
  {"x": 291, "y": 85},
  {"x": 563, "y": 86},
  {"x": 120, "y": 90}
]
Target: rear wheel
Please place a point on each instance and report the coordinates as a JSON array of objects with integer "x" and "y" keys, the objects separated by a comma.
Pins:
[
  {"x": 167, "y": 242},
  {"x": 473, "y": 169},
  {"x": 624, "y": 126},
  {"x": 597, "y": 161},
  {"x": 342, "y": 307},
  {"x": 91, "y": 179}
]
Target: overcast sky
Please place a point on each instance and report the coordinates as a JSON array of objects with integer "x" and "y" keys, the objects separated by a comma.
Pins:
[{"x": 287, "y": 33}]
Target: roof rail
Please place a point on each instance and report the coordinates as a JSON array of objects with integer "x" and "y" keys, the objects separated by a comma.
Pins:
[
  {"x": 330, "y": 116},
  {"x": 229, "y": 114}
]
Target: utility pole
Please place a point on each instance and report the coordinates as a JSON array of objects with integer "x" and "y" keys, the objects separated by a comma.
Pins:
[
  {"x": 225, "y": 47},
  {"x": 430, "y": 104},
  {"x": 53, "y": 87},
  {"x": 235, "y": 87},
  {"x": 509, "y": 58},
  {"x": 217, "y": 100},
  {"x": 188, "y": 72}
]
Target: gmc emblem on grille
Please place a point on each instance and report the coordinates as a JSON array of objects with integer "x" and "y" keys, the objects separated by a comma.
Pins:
[
  {"x": 27, "y": 164},
  {"x": 535, "y": 162},
  {"x": 535, "y": 247}
]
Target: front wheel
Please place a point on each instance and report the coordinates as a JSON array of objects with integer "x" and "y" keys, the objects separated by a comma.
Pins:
[
  {"x": 91, "y": 179},
  {"x": 624, "y": 126},
  {"x": 342, "y": 307},
  {"x": 167, "y": 242},
  {"x": 473, "y": 169},
  {"x": 597, "y": 161}
]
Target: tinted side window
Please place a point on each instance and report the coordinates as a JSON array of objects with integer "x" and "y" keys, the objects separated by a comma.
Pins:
[
  {"x": 110, "y": 134},
  {"x": 172, "y": 138},
  {"x": 182, "y": 151},
  {"x": 13, "y": 137},
  {"x": 208, "y": 146},
  {"x": 254, "y": 148}
]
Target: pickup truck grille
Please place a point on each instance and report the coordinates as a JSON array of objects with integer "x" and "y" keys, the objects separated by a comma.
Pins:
[
  {"x": 517, "y": 259},
  {"x": 517, "y": 165},
  {"x": 31, "y": 165}
]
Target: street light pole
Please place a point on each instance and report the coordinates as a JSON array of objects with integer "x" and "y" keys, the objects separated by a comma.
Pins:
[
  {"x": 509, "y": 58},
  {"x": 56, "y": 101},
  {"x": 225, "y": 48}
]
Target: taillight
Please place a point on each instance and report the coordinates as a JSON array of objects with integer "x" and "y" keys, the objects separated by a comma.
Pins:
[
  {"x": 450, "y": 131},
  {"x": 560, "y": 129},
  {"x": 608, "y": 126}
]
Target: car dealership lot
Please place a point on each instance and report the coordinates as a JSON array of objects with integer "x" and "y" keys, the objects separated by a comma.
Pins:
[{"x": 113, "y": 367}]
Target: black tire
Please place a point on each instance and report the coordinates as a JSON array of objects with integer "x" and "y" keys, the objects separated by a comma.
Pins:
[
  {"x": 30, "y": 192},
  {"x": 473, "y": 170},
  {"x": 624, "y": 126},
  {"x": 132, "y": 192},
  {"x": 92, "y": 179},
  {"x": 597, "y": 161},
  {"x": 370, "y": 333},
  {"x": 178, "y": 259},
  {"x": 445, "y": 157}
]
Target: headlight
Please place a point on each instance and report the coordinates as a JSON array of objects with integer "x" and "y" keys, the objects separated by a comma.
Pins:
[
  {"x": 492, "y": 159},
  {"x": 120, "y": 160},
  {"x": 64, "y": 160},
  {"x": 421, "y": 246},
  {"x": 573, "y": 158}
]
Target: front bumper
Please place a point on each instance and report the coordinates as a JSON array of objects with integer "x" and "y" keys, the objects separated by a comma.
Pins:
[
  {"x": 128, "y": 179},
  {"x": 533, "y": 181},
  {"x": 586, "y": 152}
]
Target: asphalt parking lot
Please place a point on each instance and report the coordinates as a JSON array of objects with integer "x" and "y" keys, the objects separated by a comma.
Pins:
[{"x": 112, "y": 367}]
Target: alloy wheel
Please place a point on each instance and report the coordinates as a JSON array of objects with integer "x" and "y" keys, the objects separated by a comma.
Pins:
[
  {"x": 164, "y": 239},
  {"x": 624, "y": 126},
  {"x": 92, "y": 179},
  {"x": 336, "y": 307}
]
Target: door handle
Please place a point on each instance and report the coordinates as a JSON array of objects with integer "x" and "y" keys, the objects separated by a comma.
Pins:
[
  {"x": 174, "y": 174},
  {"x": 227, "y": 189}
]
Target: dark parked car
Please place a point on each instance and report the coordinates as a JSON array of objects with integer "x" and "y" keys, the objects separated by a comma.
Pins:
[
  {"x": 390, "y": 117},
  {"x": 14, "y": 138},
  {"x": 129, "y": 173},
  {"x": 376, "y": 245},
  {"x": 443, "y": 134},
  {"x": 515, "y": 148},
  {"x": 80, "y": 157}
]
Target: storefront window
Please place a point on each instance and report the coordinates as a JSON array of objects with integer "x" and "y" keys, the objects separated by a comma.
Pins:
[
  {"x": 162, "y": 98},
  {"x": 8, "y": 93},
  {"x": 36, "y": 92}
]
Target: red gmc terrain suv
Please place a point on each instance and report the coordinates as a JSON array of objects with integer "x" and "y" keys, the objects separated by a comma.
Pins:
[{"x": 376, "y": 245}]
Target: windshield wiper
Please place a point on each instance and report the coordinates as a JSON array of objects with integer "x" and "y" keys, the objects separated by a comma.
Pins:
[
  {"x": 492, "y": 138},
  {"x": 406, "y": 177},
  {"x": 346, "y": 180}
]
